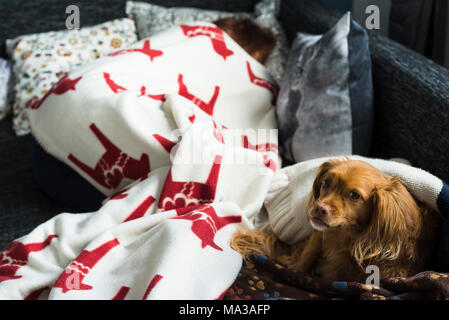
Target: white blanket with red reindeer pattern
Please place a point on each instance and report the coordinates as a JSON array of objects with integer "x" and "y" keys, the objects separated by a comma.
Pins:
[
  {"x": 166, "y": 130},
  {"x": 113, "y": 120}
]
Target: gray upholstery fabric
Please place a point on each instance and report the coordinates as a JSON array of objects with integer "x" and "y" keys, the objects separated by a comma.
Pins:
[
  {"x": 22, "y": 205},
  {"x": 325, "y": 93},
  {"x": 421, "y": 25}
]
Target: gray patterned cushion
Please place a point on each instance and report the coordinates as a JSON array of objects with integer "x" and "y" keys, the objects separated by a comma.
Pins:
[
  {"x": 151, "y": 19},
  {"x": 5, "y": 87},
  {"x": 325, "y": 105}
]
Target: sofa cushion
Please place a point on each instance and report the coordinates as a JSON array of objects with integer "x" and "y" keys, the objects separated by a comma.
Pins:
[{"x": 325, "y": 105}]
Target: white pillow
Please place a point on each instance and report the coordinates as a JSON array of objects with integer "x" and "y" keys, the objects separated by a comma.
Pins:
[{"x": 39, "y": 60}]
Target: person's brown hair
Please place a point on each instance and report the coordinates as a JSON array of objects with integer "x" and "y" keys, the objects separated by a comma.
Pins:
[{"x": 254, "y": 39}]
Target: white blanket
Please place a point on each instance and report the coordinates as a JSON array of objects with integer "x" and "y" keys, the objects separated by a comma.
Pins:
[
  {"x": 113, "y": 120},
  {"x": 164, "y": 231}
]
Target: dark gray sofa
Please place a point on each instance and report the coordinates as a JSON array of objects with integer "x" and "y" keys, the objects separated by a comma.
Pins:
[{"x": 411, "y": 97}]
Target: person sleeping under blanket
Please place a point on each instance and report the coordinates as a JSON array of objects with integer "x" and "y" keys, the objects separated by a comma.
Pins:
[{"x": 64, "y": 175}]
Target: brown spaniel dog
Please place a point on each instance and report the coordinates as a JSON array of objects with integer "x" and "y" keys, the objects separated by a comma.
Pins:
[{"x": 361, "y": 217}]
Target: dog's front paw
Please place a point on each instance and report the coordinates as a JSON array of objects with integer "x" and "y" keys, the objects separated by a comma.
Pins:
[{"x": 249, "y": 242}]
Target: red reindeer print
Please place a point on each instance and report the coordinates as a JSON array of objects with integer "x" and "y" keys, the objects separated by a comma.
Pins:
[
  {"x": 65, "y": 84},
  {"x": 206, "y": 223},
  {"x": 15, "y": 256},
  {"x": 269, "y": 163},
  {"x": 114, "y": 165},
  {"x": 217, "y": 133},
  {"x": 62, "y": 86},
  {"x": 121, "y": 293},
  {"x": 151, "y": 53},
  {"x": 140, "y": 211},
  {"x": 112, "y": 85},
  {"x": 222, "y": 295},
  {"x": 261, "y": 82},
  {"x": 267, "y": 147},
  {"x": 182, "y": 211},
  {"x": 214, "y": 33},
  {"x": 192, "y": 118},
  {"x": 158, "y": 97},
  {"x": 119, "y": 195},
  {"x": 34, "y": 295},
  {"x": 177, "y": 194},
  {"x": 151, "y": 286},
  {"x": 164, "y": 142},
  {"x": 73, "y": 275},
  {"x": 207, "y": 107}
]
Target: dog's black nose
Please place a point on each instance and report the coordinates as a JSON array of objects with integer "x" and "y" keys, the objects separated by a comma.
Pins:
[{"x": 321, "y": 211}]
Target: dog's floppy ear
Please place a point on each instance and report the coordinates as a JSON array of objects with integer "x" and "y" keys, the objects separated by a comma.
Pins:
[
  {"x": 322, "y": 170},
  {"x": 395, "y": 221}
]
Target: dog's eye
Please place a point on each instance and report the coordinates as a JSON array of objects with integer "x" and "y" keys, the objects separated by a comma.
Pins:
[
  {"x": 326, "y": 184},
  {"x": 354, "y": 195}
]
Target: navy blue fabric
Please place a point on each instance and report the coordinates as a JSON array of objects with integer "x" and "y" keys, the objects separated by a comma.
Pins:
[
  {"x": 443, "y": 200},
  {"x": 360, "y": 89},
  {"x": 63, "y": 184},
  {"x": 443, "y": 250}
]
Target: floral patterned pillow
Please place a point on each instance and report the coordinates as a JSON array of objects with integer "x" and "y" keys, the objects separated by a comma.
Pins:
[
  {"x": 39, "y": 60},
  {"x": 151, "y": 19}
]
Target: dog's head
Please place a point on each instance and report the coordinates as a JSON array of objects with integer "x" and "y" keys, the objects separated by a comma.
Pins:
[{"x": 354, "y": 197}]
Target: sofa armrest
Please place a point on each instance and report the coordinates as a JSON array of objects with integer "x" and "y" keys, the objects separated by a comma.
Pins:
[
  {"x": 411, "y": 107},
  {"x": 411, "y": 92}
]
